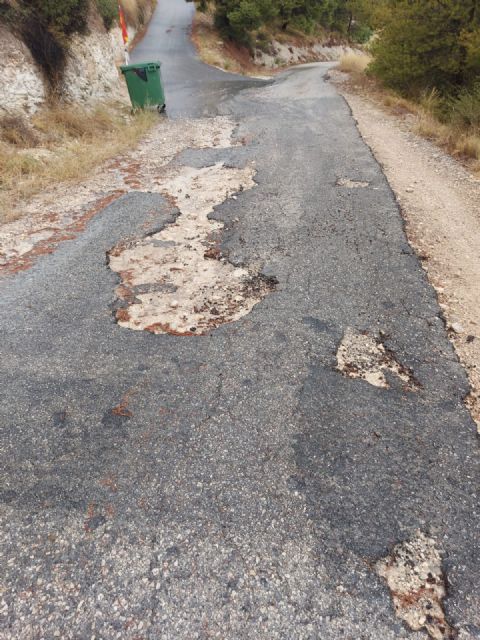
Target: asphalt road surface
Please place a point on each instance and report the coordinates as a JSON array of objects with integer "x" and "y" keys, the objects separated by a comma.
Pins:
[{"x": 250, "y": 487}]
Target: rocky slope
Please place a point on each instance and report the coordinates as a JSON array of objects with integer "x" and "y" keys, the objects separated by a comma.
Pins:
[{"x": 91, "y": 73}]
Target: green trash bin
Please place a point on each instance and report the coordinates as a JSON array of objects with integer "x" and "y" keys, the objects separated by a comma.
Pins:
[{"x": 144, "y": 82}]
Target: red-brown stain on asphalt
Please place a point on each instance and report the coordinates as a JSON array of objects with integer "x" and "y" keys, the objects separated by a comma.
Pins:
[
  {"x": 166, "y": 328},
  {"x": 122, "y": 315},
  {"x": 122, "y": 408},
  {"x": 45, "y": 247}
]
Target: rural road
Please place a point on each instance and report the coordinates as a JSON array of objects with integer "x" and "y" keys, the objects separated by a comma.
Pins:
[{"x": 245, "y": 488}]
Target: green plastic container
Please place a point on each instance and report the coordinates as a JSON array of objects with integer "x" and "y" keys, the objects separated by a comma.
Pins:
[{"x": 144, "y": 82}]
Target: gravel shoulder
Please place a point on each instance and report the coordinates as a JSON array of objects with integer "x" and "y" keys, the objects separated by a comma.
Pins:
[{"x": 440, "y": 203}]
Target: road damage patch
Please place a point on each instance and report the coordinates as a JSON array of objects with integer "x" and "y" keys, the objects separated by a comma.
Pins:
[
  {"x": 177, "y": 281},
  {"x": 413, "y": 573},
  {"x": 61, "y": 212},
  {"x": 362, "y": 355}
]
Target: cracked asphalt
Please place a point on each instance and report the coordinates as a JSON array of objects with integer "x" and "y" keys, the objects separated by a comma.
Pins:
[{"x": 235, "y": 485}]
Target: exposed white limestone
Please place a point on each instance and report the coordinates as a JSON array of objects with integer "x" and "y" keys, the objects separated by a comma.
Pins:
[
  {"x": 176, "y": 280},
  {"x": 360, "y": 355},
  {"x": 413, "y": 572}
]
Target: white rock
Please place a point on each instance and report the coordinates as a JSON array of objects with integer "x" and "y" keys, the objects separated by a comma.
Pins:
[
  {"x": 23, "y": 88},
  {"x": 457, "y": 327}
]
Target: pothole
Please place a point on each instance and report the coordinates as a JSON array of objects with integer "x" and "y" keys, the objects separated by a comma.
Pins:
[
  {"x": 413, "y": 573},
  {"x": 362, "y": 355},
  {"x": 177, "y": 281},
  {"x": 351, "y": 184}
]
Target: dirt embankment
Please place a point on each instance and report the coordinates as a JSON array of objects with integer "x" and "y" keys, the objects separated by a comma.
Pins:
[
  {"x": 90, "y": 73},
  {"x": 440, "y": 202},
  {"x": 283, "y": 49}
]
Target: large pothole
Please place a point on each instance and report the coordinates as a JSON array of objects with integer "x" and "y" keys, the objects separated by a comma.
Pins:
[
  {"x": 176, "y": 281},
  {"x": 413, "y": 573}
]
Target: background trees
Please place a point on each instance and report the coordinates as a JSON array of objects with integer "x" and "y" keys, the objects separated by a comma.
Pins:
[
  {"x": 426, "y": 44},
  {"x": 418, "y": 45}
]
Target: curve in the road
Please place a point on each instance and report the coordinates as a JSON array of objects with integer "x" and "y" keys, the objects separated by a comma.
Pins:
[{"x": 192, "y": 87}]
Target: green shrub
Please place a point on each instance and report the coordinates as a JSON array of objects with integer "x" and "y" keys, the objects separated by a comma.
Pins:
[
  {"x": 360, "y": 33},
  {"x": 428, "y": 43},
  {"x": 62, "y": 17},
  {"x": 236, "y": 19},
  {"x": 45, "y": 27},
  {"x": 464, "y": 109},
  {"x": 108, "y": 9}
]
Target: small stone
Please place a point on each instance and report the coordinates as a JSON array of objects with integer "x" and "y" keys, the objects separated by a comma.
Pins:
[
  {"x": 457, "y": 327},
  {"x": 174, "y": 304},
  {"x": 409, "y": 189}
]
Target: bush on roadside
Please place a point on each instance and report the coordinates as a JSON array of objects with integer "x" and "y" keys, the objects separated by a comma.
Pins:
[
  {"x": 108, "y": 9},
  {"x": 464, "y": 109},
  {"x": 424, "y": 44},
  {"x": 239, "y": 19},
  {"x": 62, "y": 17}
]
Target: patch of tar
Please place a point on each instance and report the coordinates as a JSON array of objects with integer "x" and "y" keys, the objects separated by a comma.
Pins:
[
  {"x": 361, "y": 355},
  {"x": 413, "y": 573},
  {"x": 352, "y": 184},
  {"x": 177, "y": 281}
]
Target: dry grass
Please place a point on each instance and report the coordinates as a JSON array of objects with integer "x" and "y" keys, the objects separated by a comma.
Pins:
[
  {"x": 459, "y": 142},
  {"x": 136, "y": 10},
  {"x": 67, "y": 144},
  {"x": 458, "y": 139},
  {"x": 356, "y": 63}
]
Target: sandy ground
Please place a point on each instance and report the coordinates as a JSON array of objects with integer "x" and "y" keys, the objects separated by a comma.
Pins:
[{"x": 440, "y": 202}]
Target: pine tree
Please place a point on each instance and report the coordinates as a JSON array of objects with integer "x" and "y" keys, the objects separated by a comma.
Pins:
[{"x": 428, "y": 43}]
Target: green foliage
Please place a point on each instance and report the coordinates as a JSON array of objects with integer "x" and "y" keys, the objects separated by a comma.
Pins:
[
  {"x": 237, "y": 19},
  {"x": 428, "y": 43},
  {"x": 464, "y": 109},
  {"x": 360, "y": 33},
  {"x": 108, "y": 9},
  {"x": 62, "y": 17}
]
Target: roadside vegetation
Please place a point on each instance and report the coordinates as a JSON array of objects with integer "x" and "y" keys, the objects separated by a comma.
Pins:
[
  {"x": 46, "y": 26},
  {"x": 425, "y": 58},
  {"x": 61, "y": 144},
  {"x": 420, "y": 55}
]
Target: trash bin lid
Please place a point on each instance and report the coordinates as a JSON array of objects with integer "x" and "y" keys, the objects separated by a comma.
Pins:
[{"x": 150, "y": 66}]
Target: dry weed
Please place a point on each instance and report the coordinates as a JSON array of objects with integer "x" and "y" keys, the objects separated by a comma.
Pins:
[
  {"x": 15, "y": 130},
  {"x": 354, "y": 62},
  {"x": 136, "y": 10},
  {"x": 433, "y": 120},
  {"x": 70, "y": 143}
]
